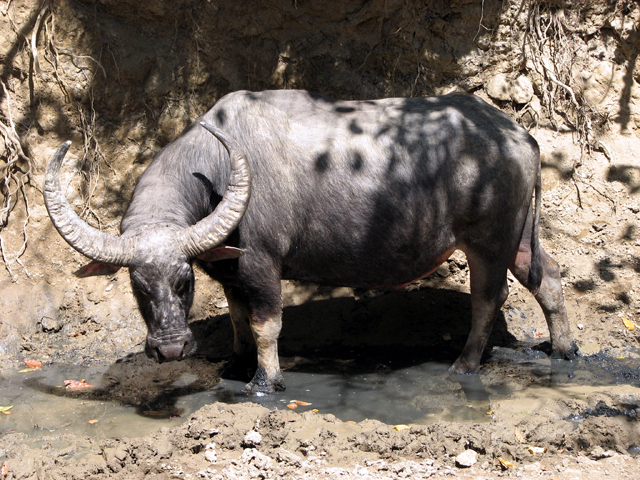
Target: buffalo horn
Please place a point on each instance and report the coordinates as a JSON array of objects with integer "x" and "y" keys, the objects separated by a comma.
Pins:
[
  {"x": 86, "y": 239},
  {"x": 213, "y": 229}
]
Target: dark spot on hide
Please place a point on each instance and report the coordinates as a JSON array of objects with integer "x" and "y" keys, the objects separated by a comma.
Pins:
[{"x": 322, "y": 162}]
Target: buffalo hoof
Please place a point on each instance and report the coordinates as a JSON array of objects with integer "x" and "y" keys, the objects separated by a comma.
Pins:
[
  {"x": 260, "y": 385},
  {"x": 570, "y": 354},
  {"x": 460, "y": 367}
]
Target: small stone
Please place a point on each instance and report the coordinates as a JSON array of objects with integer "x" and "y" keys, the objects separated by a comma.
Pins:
[
  {"x": 257, "y": 459},
  {"x": 498, "y": 87},
  {"x": 252, "y": 439},
  {"x": 210, "y": 456},
  {"x": 521, "y": 90},
  {"x": 501, "y": 87},
  {"x": 599, "y": 453},
  {"x": 443, "y": 270},
  {"x": 467, "y": 459},
  {"x": 121, "y": 452},
  {"x": 51, "y": 325},
  {"x": 285, "y": 456},
  {"x": 222, "y": 303}
]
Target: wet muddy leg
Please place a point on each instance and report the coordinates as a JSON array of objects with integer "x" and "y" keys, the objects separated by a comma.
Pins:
[
  {"x": 549, "y": 297},
  {"x": 488, "y": 292},
  {"x": 255, "y": 307}
]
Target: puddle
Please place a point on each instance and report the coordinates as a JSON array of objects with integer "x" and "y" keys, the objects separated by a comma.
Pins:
[{"x": 418, "y": 394}]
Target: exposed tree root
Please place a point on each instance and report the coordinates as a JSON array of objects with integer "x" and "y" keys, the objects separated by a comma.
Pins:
[
  {"x": 45, "y": 66},
  {"x": 15, "y": 174}
]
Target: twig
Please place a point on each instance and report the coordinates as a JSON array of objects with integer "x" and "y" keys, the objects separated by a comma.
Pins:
[
  {"x": 480, "y": 25},
  {"x": 607, "y": 151},
  {"x": 6, "y": 9},
  {"x": 34, "y": 37}
]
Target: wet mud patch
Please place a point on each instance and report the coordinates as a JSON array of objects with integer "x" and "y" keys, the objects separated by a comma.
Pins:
[{"x": 223, "y": 440}]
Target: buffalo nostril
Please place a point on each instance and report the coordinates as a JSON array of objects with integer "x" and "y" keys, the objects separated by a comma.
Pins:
[{"x": 167, "y": 353}]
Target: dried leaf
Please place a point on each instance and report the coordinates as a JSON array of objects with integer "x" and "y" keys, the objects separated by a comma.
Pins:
[
  {"x": 33, "y": 363},
  {"x": 490, "y": 412},
  {"x": 519, "y": 436},
  {"x": 7, "y": 412},
  {"x": 93, "y": 421},
  {"x": 6, "y": 409},
  {"x": 5, "y": 469},
  {"x": 536, "y": 450},
  {"x": 505, "y": 463},
  {"x": 629, "y": 324},
  {"x": 77, "y": 385},
  {"x": 301, "y": 403},
  {"x": 399, "y": 428},
  {"x": 315, "y": 410},
  {"x": 27, "y": 370},
  {"x": 293, "y": 405}
]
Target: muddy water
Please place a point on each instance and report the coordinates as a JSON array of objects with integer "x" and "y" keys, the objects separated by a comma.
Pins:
[{"x": 523, "y": 380}]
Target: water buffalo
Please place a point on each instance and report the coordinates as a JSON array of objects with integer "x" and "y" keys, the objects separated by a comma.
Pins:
[{"x": 353, "y": 193}]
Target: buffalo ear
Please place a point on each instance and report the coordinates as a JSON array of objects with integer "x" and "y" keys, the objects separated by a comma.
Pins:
[
  {"x": 96, "y": 268},
  {"x": 221, "y": 253}
]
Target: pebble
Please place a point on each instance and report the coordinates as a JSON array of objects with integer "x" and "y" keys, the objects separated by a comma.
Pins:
[
  {"x": 210, "y": 456},
  {"x": 252, "y": 438},
  {"x": 467, "y": 459}
]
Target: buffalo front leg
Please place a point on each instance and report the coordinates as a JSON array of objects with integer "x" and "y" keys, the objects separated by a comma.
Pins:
[
  {"x": 549, "y": 297},
  {"x": 268, "y": 377},
  {"x": 488, "y": 292},
  {"x": 258, "y": 304},
  {"x": 256, "y": 328}
]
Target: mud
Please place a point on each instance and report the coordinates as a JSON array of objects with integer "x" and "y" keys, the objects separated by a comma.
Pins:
[{"x": 121, "y": 79}]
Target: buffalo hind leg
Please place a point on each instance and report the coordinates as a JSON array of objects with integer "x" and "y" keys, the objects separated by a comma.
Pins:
[
  {"x": 488, "y": 292},
  {"x": 243, "y": 363},
  {"x": 549, "y": 297}
]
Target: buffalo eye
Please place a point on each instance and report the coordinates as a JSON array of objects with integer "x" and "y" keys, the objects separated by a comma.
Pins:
[
  {"x": 143, "y": 292},
  {"x": 140, "y": 286},
  {"x": 182, "y": 286}
]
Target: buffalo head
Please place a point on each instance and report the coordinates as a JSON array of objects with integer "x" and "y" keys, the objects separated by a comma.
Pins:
[{"x": 159, "y": 255}]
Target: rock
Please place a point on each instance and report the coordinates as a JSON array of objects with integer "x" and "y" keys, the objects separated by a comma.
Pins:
[
  {"x": 443, "y": 270},
  {"x": 501, "y": 87},
  {"x": 257, "y": 459},
  {"x": 285, "y": 456},
  {"x": 51, "y": 324},
  {"x": 522, "y": 90},
  {"x": 599, "y": 453},
  {"x": 210, "y": 456},
  {"x": 252, "y": 439},
  {"x": 222, "y": 303},
  {"x": 121, "y": 452},
  {"x": 467, "y": 459},
  {"x": 498, "y": 87}
]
